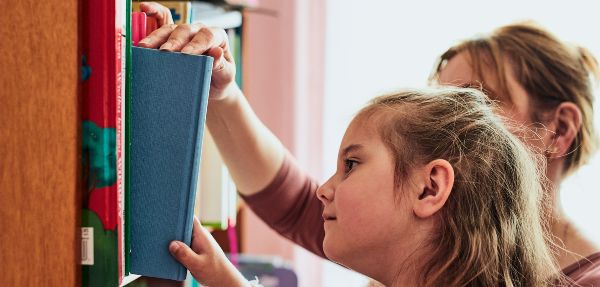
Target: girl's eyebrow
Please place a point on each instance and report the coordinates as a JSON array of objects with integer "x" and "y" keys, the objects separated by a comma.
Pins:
[{"x": 350, "y": 148}]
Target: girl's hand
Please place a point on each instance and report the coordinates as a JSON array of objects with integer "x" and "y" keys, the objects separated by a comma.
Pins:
[
  {"x": 196, "y": 39},
  {"x": 206, "y": 261}
]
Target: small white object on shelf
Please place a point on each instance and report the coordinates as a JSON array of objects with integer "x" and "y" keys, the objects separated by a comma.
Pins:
[
  {"x": 214, "y": 16},
  {"x": 129, "y": 278}
]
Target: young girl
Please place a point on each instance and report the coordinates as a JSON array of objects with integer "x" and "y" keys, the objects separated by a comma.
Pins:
[{"x": 430, "y": 190}]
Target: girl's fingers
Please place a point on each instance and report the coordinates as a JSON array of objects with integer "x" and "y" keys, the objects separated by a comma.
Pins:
[
  {"x": 159, "y": 12},
  {"x": 205, "y": 39},
  {"x": 180, "y": 37},
  {"x": 217, "y": 54},
  {"x": 186, "y": 256},
  {"x": 157, "y": 37},
  {"x": 202, "y": 240}
]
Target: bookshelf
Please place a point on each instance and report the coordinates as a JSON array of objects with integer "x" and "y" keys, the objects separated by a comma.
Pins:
[{"x": 39, "y": 143}]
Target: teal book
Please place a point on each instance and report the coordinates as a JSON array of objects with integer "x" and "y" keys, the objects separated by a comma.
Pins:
[{"x": 169, "y": 97}]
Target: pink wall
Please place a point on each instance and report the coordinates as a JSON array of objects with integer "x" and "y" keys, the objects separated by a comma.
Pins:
[{"x": 283, "y": 80}]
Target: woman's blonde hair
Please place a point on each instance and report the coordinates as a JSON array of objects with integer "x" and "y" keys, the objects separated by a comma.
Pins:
[
  {"x": 551, "y": 71},
  {"x": 491, "y": 230}
]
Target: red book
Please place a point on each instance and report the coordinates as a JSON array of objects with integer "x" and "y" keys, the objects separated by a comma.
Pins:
[
  {"x": 101, "y": 134},
  {"x": 141, "y": 26}
]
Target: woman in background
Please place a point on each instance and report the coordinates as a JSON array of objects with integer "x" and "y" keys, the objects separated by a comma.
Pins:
[
  {"x": 546, "y": 85},
  {"x": 538, "y": 81}
]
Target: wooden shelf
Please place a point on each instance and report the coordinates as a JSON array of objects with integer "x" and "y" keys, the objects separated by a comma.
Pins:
[{"x": 39, "y": 144}]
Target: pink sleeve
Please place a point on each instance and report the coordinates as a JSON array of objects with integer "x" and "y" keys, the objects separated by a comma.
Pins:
[
  {"x": 586, "y": 272},
  {"x": 290, "y": 206}
]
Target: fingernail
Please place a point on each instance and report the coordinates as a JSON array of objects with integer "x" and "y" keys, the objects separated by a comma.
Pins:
[
  {"x": 166, "y": 46},
  {"x": 173, "y": 246},
  {"x": 144, "y": 41},
  {"x": 187, "y": 49}
]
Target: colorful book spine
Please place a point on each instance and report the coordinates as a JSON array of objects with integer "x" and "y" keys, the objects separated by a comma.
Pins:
[
  {"x": 101, "y": 44},
  {"x": 180, "y": 10},
  {"x": 138, "y": 24},
  {"x": 121, "y": 25},
  {"x": 127, "y": 139}
]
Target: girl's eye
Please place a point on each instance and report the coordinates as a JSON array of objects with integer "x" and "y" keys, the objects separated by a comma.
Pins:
[{"x": 349, "y": 165}]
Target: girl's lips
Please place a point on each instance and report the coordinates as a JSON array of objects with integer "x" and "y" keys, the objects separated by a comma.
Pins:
[{"x": 328, "y": 217}]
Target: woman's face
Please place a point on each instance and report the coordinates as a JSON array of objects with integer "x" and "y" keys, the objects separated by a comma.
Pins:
[
  {"x": 364, "y": 216},
  {"x": 459, "y": 72},
  {"x": 515, "y": 106}
]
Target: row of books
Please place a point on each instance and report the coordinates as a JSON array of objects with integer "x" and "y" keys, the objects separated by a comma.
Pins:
[{"x": 106, "y": 137}]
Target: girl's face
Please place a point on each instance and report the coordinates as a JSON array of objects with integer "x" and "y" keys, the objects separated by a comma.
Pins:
[{"x": 365, "y": 218}]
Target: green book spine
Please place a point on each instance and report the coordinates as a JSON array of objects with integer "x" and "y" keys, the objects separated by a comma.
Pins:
[
  {"x": 127, "y": 135},
  {"x": 237, "y": 55}
]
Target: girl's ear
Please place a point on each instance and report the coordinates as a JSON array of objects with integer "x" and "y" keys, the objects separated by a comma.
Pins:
[
  {"x": 567, "y": 123},
  {"x": 438, "y": 180}
]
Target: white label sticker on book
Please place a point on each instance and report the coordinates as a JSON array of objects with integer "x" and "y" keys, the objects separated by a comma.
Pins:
[{"x": 87, "y": 246}]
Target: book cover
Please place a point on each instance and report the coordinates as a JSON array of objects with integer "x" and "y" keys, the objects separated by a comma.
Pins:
[{"x": 169, "y": 97}]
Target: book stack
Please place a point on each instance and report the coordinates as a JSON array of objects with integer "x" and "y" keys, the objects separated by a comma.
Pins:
[{"x": 142, "y": 132}]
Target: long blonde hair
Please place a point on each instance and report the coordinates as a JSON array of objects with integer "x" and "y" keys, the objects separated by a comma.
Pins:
[
  {"x": 491, "y": 231},
  {"x": 550, "y": 70}
]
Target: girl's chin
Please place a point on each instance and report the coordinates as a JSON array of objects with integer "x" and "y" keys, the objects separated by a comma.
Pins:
[
  {"x": 328, "y": 249},
  {"x": 332, "y": 250}
]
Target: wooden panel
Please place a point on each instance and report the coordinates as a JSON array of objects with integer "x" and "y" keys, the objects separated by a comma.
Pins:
[{"x": 39, "y": 143}]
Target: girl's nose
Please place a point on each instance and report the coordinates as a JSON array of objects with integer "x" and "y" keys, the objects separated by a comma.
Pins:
[{"x": 326, "y": 192}]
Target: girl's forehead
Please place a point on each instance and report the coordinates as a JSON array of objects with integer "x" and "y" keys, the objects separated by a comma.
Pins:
[
  {"x": 365, "y": 127},
  {"x": 365, "y": 124}
]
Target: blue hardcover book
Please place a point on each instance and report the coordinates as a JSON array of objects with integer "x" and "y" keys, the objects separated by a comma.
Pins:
[{"x": 169, "y": 96}]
